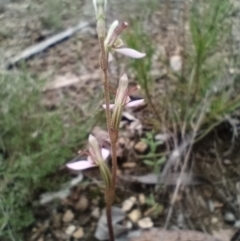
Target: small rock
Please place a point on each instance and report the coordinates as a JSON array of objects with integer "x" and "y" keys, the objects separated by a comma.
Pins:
[
  {"x": 68, "y": 216},
  {"x": 145, "y": 223},
  {"x": 41, "y": 239},
  {"x": 141, "y": 147},
  {"x": 237, "y": 224},
  {"x": 129, "y": 225},
  {"x": 82, "y": 203},
  {"x": 176, "y": 62},
  {"x": 129, "y": 164},
  {"x": 229, "y": 217},
  {"x": 96, "y": 212},
  {"x": 79, "y": 233},
  {"x": 128, "y": 204},
  {"x": 214, "y": 220},
  {"x": 180, "y": 220},
  {"x": 142, "y": 199},
  {"x": 70, "y": 229},
  {"x": 60, "y": 235},
  {"x": 135, "y": 215},
  {"x": 227, "y": 162},
  {"x": 211, "y": 206},
  {"x": 96, "y": 201}
]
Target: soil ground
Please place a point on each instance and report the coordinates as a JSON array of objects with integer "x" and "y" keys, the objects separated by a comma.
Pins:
[{"x": 209, "y": 203}]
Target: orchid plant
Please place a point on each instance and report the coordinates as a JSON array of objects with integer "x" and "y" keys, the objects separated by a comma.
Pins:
[{"x": 96, "y": 156}]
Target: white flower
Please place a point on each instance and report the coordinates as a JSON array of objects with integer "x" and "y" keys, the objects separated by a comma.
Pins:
[
  {"x": 122, "y": 97},
  {"x": 96, "y": 155},
  {"x": 113, "y": 43}
]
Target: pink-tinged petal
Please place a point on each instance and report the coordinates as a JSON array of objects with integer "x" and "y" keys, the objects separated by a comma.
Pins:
[
  {"x": 135, "y": 103},
  {"x": 130, "y": 52},
  {"x": 105, "y": 153},
  {"x": 80, "y": 165},
  {"x": 111, "y": 106},
  {"x": 110, "y": 57},
  {"x": 110, "y": 32},
  {"x": 128, "y": 100}
]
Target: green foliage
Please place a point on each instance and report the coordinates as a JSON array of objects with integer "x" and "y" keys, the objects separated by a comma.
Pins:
[
  {"x": 151, "y": 159},
  {"x": 53, "y": 14},
  {"x": 138, "y": 39},
  {"x": 203, "y": 92},
  {"x": 157, "y": 208},
  {"x": 34, "y": 143}
]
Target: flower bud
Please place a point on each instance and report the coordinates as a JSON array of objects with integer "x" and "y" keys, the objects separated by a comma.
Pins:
[
  {"x": 110, "y": 32},
  {"x": 99, "y": 6},
  {"x": 94, "y": 149},
  {"x": 122, "y": 91},
  {"x": 120, "y": 100}
]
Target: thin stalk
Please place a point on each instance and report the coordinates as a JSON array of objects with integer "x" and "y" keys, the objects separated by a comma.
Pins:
[
  {"x": 114, "y": 166},
  {"x": 109, "y": 216},
  {"x": 111, "y": 192},
  {"x": 104, "y": 66}
]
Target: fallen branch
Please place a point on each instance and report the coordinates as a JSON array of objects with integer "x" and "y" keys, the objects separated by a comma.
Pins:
[
  {"x": 38, "y": 48},
  {"x": 69, "y": 79}
]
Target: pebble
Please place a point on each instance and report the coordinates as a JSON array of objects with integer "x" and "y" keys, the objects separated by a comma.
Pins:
[
  {"x": 129, "y": 225},
  {"x": 227, "y": 162},
  {"x": 129, "y": 164},
  {"x": 237, "y": 224},
  {"x": 211, "y": 206},
  {"x": 41, "y": 239},
  {"x": 176, "y": 62},
  {"x": 60, "y": 235},
  {"x": 142, "y": 199},
  {"x": 96, "y": 212},
  {"x": 135, "y": 215},
  {"x": 68, "y": 216},
  {"x": 180, "y": 220},
  {"x": 82, "y": 204},
  {"x": 128, "y": 204},
  {"x": 214, "y": 220},
  {"x": 229, "y": 217},
  {"x": 70, "y": 229},
  {"x": 145, "y": 223},
  {"x": 79, "y": 233},
  {"x": 141, "y": 147}
]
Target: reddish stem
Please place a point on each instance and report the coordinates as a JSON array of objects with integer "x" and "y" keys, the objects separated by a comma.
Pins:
[{"x": 110, "y": 193}]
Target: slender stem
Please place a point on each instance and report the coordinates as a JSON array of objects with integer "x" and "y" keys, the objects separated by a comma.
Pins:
[
  {"x": 104, "y": 67},
  {"x": 114, "y": 166},
  {"x": 111, "y": 192},
  {"x": 109, "y": 215}
]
